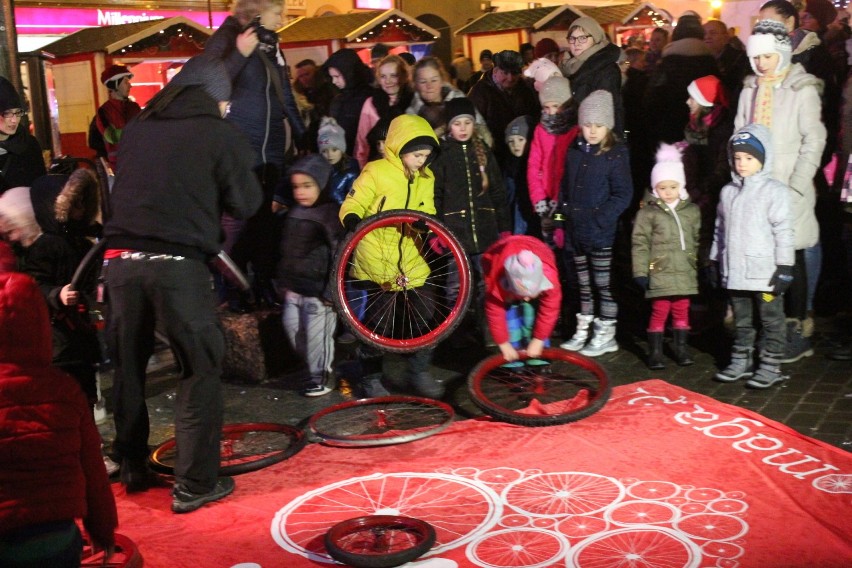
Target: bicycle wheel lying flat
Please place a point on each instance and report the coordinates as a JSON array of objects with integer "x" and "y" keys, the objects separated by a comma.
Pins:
[
  {"x": 244, "y": 448},
  {"x": 381, "y": 421},
  {"x": 126, "y": 555},
  {"x": 568, "y": 387},
  {"x": 379, "y": 541},
  {"x": 400, "y": 282}
]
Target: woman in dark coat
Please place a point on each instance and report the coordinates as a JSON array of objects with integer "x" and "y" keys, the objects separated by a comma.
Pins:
[
  {"x": 21, "y": 161},
  {"x": 352, "y": 78}
]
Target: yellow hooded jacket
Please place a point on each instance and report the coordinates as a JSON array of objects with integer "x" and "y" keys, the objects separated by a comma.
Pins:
[{"x": 382, "y": 186}]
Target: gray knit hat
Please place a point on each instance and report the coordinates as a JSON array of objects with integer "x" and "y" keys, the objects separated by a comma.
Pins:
[
  {"x": 519, "y": 127},
  {"x": 209, "y": 73},
  {"x": 555, "y": 90},
  {"x": 331, "y": 135},
  {"x": 314, "y": 166},
  {"x": 597, "y": 108}
]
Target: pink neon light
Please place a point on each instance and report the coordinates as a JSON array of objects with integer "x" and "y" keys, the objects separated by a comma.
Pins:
[
  {"x": 62, "y": 21},
  {"x": 373, "y": 4}
]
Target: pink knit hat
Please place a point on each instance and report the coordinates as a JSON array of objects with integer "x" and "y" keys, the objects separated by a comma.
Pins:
[{"x": 524, "y": 275}]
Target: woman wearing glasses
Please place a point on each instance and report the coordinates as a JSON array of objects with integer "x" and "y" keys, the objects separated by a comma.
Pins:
[
  {"x": 21, "y": 161},
  {"x": 593, "y": 65}
]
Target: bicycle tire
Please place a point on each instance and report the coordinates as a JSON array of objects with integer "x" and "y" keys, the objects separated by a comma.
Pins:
[
  {"x": 379, "y": 541},
  {"x": 244, "y": 447},
  {"x": 381, "y": 421},
  {"x": 406, "y": 336},
  {"x": 577, "y": 388},
  {"x": 126, "y": 555}
]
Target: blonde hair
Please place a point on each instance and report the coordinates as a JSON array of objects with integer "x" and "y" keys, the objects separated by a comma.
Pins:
[
  {"x": 401, "y": 68},
  {"x": 434, "y": 63},
  {"x": 245, "y": 10}
]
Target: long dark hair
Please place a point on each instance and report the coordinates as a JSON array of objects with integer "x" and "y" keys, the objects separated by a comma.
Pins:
[{"x": 784, "y": 8}]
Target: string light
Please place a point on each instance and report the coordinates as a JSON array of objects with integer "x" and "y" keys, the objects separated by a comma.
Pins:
[{"x": 413, "y": 32}]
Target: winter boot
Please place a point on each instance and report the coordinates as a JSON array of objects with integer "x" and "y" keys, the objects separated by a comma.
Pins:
[
  {"x": 603, "y": 339},
  {"x": 581, "y": 336},
  {"x": 370, "y": 386},
  {"x": 655, "y": 350},
  {"x": 424, "y": 384},
  {"x": 768, "y": 373},
  {"x": 681, "y": 350},
  {"x": 740, "y": 367},
  {"x": 798, "y": 346}
]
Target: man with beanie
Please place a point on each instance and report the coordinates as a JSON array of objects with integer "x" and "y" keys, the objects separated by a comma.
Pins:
[
  {"x": 21, "y": 161},
  {"x": 486, "y": 64},
  {"x": 181, "y": 167},
  {"x": 501, "y": 96},
  {"x": 107, "y": 126}
]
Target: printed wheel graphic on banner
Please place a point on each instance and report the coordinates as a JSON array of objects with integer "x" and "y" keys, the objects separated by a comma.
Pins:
[
  {"x": 244, "y": 448},
  {"x": 567, "y": 387},
  {"x": 517, "y": 548},
  {"x": 391, "y": 284},
  {"x": 712, "y": 526},
  {"x": 629, "y": 513},
  {"x": 379, "y": 541},
  {"x": 381, "y": 421},
  {"x": 559, "y": 494},
  {"x": 457, "y": 508},
  {"x": 646, "y": 547}
]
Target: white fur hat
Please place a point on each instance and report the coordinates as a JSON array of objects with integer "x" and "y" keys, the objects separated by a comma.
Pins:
[{"x": 669, "y": 167}]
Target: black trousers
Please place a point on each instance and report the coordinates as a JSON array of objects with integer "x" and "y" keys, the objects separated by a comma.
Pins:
[{"x": 178, "y": 295}]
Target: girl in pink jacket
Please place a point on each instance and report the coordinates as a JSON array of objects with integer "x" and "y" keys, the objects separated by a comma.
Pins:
[{"x": 551, "y": 140}]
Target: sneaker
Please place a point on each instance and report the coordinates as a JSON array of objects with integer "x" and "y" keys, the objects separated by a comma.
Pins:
[
  {"x": 111, "y": 467},
  {"x": 316, "y": 390},
  {"x": 185, "y": 501}
]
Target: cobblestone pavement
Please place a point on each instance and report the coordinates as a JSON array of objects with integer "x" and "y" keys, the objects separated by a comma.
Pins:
[{"x": 816, "y": 400}]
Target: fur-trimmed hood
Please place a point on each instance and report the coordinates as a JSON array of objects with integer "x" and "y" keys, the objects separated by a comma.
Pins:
[{"x": 688, "y": 46}]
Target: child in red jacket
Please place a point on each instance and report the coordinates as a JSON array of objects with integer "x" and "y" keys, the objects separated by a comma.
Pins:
[{"x": 518, "y": 269}]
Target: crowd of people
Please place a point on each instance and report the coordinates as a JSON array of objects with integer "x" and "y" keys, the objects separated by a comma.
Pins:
[{"x": 698, "y": 158}]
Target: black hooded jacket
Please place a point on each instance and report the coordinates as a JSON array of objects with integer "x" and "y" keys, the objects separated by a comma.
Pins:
[
  {"x": 21, "y": 161},
  {"x": 179, "y": 169},
  {"x": 346, "y": 106}
]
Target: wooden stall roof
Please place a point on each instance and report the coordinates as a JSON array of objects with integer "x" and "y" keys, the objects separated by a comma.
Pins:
[
  {"x": 625, "y": 13},
  {"x": 352, "y": 27},
  {"x": 501, "y": 21},
  {"x": 112, "y": 39}
]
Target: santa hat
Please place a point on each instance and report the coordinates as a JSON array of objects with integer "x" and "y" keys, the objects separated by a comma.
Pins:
[
  {"x": 524, "y": 275},
  {"x": 708, "y": 91},
  {"x": 669, "y": 167},
  {"x": 113, "y": 74}
]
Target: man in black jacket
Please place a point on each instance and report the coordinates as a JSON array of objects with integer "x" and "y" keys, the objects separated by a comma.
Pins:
[
  {"x": 180, "y": 167},
  {"x": 21, "y": 161}
]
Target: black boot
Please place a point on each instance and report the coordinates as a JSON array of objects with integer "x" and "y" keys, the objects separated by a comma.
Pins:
[
  {"x": 655, "y": 350},
  {"x": 681, "y": 350}
]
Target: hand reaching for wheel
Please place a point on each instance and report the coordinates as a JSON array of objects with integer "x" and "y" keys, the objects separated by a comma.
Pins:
[
  {"x": 68, "y": 297},
  {"x": 535, "y": 348},
  {"x": 509, "y": 353}
]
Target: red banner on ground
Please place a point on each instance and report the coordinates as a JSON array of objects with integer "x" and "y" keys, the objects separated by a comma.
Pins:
[{"x": 661, "y": 477}]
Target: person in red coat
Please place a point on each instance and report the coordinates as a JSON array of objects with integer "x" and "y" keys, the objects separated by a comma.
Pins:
[
  {"x": 518, "y": 269},
  {"x": 51, "y": 469}
]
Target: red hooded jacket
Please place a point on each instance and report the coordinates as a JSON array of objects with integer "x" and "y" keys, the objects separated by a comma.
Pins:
[
  {"x": 51, "y": 467},
  {"x": 497, "y": 297}
]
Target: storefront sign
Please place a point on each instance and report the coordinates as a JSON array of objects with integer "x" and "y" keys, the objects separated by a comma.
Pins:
[{"x": 63, "y": 21}]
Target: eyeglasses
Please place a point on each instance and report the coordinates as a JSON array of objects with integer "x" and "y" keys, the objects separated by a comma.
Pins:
[
  {"x": 580, "y": 40},
  {"x": 17, "y": 113}
]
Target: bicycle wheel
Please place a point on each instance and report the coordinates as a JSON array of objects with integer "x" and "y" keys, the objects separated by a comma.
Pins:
[
  {"x": 569, "y": 388},
  {"x": 391, "y": 288},
  {"x": 379, "y": 541},
  {"x": 381, "y": 421},
  {"x": 126, "y": 555},
  {"x": 244, "y": 448}
]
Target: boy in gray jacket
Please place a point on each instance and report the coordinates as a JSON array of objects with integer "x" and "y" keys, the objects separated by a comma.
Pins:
[{"x": 753, "y": 245}]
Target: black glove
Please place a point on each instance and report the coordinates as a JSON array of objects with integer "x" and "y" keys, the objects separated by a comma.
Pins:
[
  {"x": 642, "y": 282},
  {"x": 351, "y": 221},
  {"x": 781, "y": 280},
  {"x": 420, "y": 226},
  {"x": 710, "y": 275}
]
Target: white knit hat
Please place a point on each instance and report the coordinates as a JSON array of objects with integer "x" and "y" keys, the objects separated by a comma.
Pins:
[
  {"x": 768, "y": 37},
  {"x": 669, "y": 167},
  {"x": 524, "y": 275}
]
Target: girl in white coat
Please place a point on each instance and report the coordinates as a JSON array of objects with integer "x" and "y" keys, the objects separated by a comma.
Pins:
[{"x": 786, "y": 99}]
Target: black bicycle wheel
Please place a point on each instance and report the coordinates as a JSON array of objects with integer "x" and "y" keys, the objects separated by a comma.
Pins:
[
  {"x": 381, "y": 421},
  {"x": 379, "y": 541},
  {"x": 568, "y": 388},
  {"x": 126, "y": 554},
  {"x": 244, "y": 448},
  {"x": 391, "y": 287}
]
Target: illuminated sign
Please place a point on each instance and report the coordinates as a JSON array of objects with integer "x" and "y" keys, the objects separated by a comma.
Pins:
[
  {"x": 62, "y": 21},
  {"x": 374, "y": 4}
]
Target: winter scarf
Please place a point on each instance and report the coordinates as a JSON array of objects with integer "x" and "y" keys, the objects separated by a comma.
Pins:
[{"x": 763, "y": 99}]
